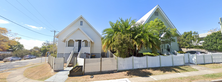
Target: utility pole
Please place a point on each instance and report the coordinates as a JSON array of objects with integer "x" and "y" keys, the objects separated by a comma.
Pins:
[
  {"x": 220, "y": 24},
  {"x": 54, "y": 40}
]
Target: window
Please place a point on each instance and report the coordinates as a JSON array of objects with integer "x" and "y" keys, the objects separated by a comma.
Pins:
[
  {"x": 86, "y": 44},
  {"x": 70, "y": 43},
  {"x": 156, "y": 13},
  {"x": 81, "y": 23}
]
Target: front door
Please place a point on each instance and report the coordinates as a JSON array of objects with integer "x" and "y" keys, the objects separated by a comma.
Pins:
[{"x": 79, "y": 45}]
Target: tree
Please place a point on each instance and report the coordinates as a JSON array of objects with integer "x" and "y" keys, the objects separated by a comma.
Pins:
[
  {"x": 157, "y": 28},
  {"x": 18, "y": 46},
  {"x": 35, "y": 51},
  {"x": 134, "y": 35},
  {"x": 187, "y": 39},
  {"x": 5, "y": 42},
  {"x": 48, "y": 47},
  {"x": 21, "y": 53},
  {"x": 213, "y": 42}
]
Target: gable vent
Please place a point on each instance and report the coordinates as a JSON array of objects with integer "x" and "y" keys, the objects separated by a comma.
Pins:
[{"x": 156, "y": 13}]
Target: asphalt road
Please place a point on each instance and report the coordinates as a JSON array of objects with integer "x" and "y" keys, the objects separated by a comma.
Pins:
[{"x": 16, "y": 64}]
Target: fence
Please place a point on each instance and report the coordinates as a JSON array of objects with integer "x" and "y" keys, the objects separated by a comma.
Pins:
[
  {"x": 117, "y": 63},
  {"x": 56, "y": 63}
]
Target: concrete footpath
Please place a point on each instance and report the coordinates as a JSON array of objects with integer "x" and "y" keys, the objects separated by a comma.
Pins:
[
  {"x": 61, "y": 76},
  {"x": 17, "y": 75},
  {"x": 202, "y": 71}
]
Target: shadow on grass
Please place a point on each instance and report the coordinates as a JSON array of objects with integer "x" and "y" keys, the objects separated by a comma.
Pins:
[
  {"x": 169, "y": 69},
  {"x": 154, "y": 71},
  {"x": 147, "y": 71},
  {"x": 139, "y": 73}
]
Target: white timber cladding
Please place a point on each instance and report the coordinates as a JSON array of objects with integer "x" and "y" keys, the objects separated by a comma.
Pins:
[
  {"x": 150, "y": 16},
  {"x": 74, "y": 32}
]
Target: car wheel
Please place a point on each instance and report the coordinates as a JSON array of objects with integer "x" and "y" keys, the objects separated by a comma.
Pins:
[{"x": 4, "y": 61}]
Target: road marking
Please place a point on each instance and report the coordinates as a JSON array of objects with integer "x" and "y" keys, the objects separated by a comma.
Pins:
[{"x": 153, "y": 78}]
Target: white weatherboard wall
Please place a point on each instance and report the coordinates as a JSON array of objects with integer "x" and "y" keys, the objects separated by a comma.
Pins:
[
  {"x": 109, "y": 64},
  {"x": 178, "y": 60},
  {"x": 153, "y": 61},
  {"x": 166, "y": 61},
  {"x": 125, "y": 63},
  {"x": 92, "y": 65},
  {"x": 140, "y": 62},
  {"x": 96, "y": 46}
]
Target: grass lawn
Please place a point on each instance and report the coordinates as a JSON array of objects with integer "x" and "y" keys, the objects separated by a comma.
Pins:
[
  {"x": 212, "y": 66},
  {"x": 207, "y": 77},
  {"x": 132, "y": 73},
  {"x": 39, "y": 72},
  {"x": 3, "y": 76}
]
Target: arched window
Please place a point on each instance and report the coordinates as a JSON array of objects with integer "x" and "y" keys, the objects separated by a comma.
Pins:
[
  {"x": 86, "y": 43},
  {"x": 70, "y": 43}
]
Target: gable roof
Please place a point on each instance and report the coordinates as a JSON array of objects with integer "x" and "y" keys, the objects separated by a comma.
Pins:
[
  {"x": 75, "y": 31},
  {"x": 57, "y": 35},
  {"x": 148, "y": 15}
]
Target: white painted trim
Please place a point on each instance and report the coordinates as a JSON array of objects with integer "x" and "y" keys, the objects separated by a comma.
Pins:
[
  {"x": 57, "y": 35},
  {"x": 150, "y": 14},
  {"x": 77, "y": 38}
]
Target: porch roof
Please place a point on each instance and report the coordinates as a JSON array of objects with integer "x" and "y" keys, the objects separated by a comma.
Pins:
[{"x": 76, "y": 31}]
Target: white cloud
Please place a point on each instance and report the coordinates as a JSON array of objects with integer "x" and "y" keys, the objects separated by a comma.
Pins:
[
  {"x": 3, "y": 21},
  {"x": 29, "y": 44},
  {"x": 35, "y": 27}
]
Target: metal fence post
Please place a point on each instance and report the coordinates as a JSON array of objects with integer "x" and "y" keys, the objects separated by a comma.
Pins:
[
  {"x": 196, "y": 58},
  {"x": 146, "y": 61},
  {"x": 100, "y": 64},
  {"x": 204, "y": 58},
  {"x": 172, "y": 60},
  {"x": 117, "y": 64},
  {"x": 212, "y": 58},
  {"x": 189, "y": 58},
  {"x": 133, "y": 62},
  {"x": 184, "y": 59},
  {"x": 160, "y": 60},
  {"x": 84, "y": 66}
]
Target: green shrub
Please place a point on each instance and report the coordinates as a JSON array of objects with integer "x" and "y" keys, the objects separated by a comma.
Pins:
[
  {"x": 180, "y": 52},
  {"x": 150, "y": 54},
  {"x": 54, "y": 55}
]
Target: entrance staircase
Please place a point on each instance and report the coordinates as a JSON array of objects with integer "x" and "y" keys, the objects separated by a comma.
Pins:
[{"x": 77, "y": 70}]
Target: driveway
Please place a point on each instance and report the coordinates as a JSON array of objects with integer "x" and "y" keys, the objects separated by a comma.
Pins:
[{"x": 16, "y": 64}]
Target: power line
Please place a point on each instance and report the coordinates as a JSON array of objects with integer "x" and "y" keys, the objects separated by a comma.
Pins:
[
  {"x": 24, "y": 35},
  {"x": 40, "y": 13},
  {"x": 22, "y": 12},
  {"x": 31, "y": 12},
  {"x": 23, "y": 26}
]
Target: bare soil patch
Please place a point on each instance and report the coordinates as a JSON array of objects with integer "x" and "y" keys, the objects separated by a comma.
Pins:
[
  {"x": 132, "y": 73},
  {"x": 39, "y": 72},
  {"x": 3, "y": 76}
]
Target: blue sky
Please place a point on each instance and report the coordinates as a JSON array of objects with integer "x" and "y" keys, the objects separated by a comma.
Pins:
[{"x": 186, "y": 15}]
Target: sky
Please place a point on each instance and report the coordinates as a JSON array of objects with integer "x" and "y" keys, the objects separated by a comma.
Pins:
[{"x": 43, "y": 16}]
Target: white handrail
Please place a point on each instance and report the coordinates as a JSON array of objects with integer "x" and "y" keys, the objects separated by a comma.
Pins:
[
  {"x": 79, "y": 53},
  {"x": 70, "y": 57}
]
